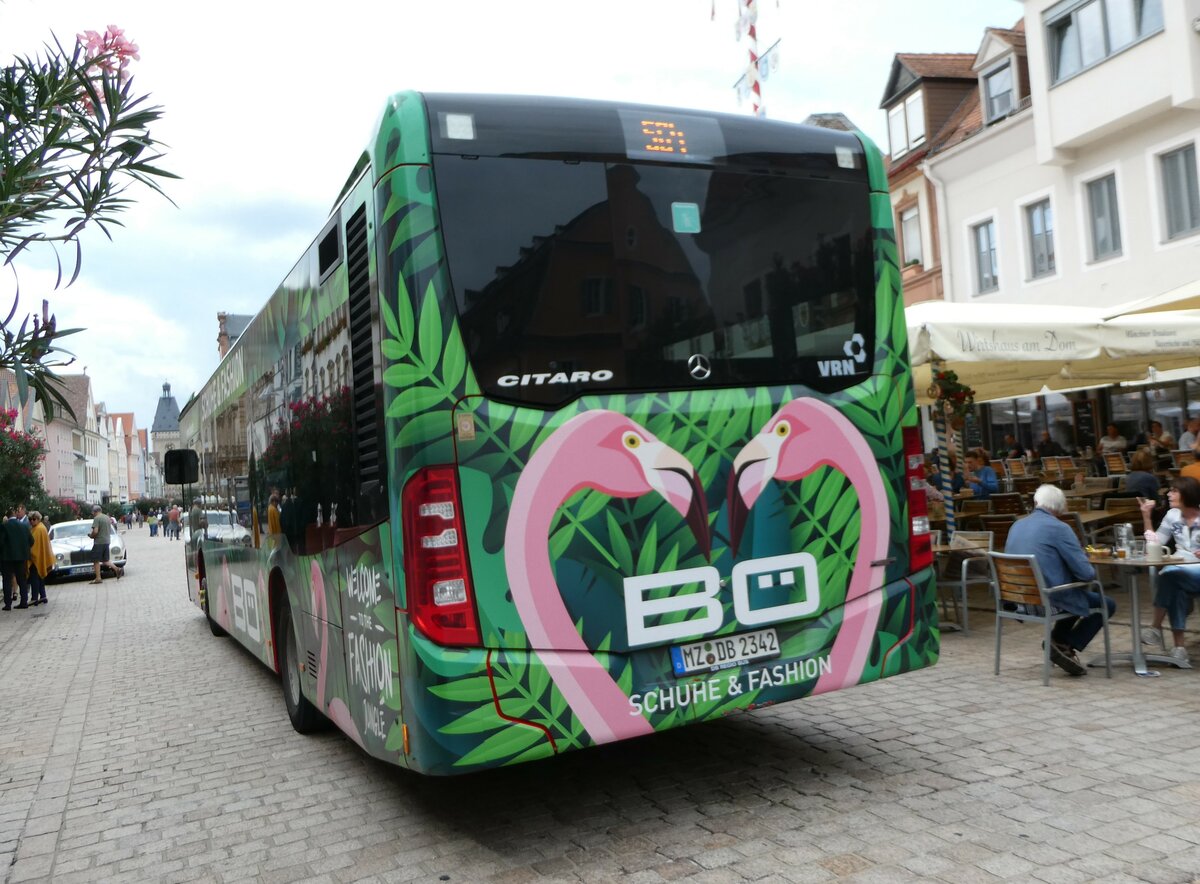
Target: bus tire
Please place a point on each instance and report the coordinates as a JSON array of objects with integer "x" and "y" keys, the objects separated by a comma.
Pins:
[
  {"x": 305, "y": 717},
  {"x": 213, "y": 627}
]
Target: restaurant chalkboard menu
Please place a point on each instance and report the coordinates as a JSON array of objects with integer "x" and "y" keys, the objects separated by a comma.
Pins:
[
  {"x": 1086, "y": 430},
  {"x": 972, "y": 431}
]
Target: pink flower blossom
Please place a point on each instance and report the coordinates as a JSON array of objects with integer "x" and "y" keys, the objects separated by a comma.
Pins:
[{"x": 117, "y": 50}]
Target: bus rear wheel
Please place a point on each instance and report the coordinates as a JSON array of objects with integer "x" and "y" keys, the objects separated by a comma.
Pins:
[
  {"x": 213, "y": 626},
  {"x": 305, "y": 717}
]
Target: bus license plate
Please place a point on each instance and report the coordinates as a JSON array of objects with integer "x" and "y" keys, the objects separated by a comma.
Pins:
[{"x": 724, "y": 651}]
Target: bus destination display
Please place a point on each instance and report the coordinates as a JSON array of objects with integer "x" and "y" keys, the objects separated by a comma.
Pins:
[{"x": 673, "y": 137}]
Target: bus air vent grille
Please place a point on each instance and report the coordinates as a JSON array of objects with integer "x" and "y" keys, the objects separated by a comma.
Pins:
[{"x": 362, "y": 349}]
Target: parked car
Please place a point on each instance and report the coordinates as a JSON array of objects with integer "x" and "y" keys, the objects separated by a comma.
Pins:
[
  {"x": 217, "y": 526},
  {"x": 72, "y": 549}
]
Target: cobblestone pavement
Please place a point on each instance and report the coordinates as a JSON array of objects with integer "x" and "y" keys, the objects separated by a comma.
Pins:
[{"x": 138, "y": 747}]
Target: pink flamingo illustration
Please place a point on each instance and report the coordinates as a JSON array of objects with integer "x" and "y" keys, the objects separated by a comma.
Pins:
[
  {"x": 337, "y": 711},
  {"x": 607, "y": 452},
  {"x": 801, "y": 436}
]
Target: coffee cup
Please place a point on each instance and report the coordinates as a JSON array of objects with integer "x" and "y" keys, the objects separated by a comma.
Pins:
[{"x": 1154, "y": 552}]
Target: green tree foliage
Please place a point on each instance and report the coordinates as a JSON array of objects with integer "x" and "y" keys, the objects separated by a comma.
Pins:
[
  {"x": 21, "y": 456},
  {"x": 74, "y": 140}
]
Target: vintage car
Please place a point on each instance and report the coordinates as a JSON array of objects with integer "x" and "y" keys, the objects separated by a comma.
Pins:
[
  {"x": 72, "y": 549},
  {"x": 217, "y": 526}
]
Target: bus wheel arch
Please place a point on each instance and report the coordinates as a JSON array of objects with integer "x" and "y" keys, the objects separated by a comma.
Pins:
[
  {"x": 304, "y": 716},
  {"x": 202, "y": 578},
  {"x": 276, "y": 597}
]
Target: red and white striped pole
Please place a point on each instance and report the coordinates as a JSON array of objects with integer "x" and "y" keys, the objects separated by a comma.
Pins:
[{"x": 755, "y": 85}]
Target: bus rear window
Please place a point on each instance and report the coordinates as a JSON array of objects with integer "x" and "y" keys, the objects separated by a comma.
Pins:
[{"x": 579, "y": 276}]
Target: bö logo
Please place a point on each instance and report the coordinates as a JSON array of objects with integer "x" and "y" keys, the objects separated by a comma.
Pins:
[
  {"x": 795, "y": 569},
  {"x": 560, "y": 377}
]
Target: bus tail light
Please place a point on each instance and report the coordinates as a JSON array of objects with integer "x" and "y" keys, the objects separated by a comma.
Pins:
[
  {"x": 920, "y": 543},
  {"x": 441, "y": 600}
]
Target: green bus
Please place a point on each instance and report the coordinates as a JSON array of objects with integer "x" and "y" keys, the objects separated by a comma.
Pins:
[{"x": 577, "y": 421}]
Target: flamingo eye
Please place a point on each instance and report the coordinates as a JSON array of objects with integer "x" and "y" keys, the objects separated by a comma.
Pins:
[
  {"x": 782, "y": 429},
  {"x": 632, "y": 440}
]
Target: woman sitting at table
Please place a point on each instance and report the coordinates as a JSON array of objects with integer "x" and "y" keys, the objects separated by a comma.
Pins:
[
  {"x": 978, "y": 476},
  {"x": 1176, "y": 585},
  {"x": 1141, "y": 479}
]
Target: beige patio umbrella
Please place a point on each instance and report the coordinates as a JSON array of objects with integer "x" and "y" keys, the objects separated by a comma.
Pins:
[
  {"x": 1184, "y": 297},
  {"x": 1007, "y": 350},
  {"x": 1003, "y": 351}
]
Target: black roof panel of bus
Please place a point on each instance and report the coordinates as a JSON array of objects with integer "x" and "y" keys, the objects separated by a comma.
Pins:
[{"x": 579, "y": 129}]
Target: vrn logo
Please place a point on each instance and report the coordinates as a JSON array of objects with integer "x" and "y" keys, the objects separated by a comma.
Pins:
[{"x": 855, "y": 349}]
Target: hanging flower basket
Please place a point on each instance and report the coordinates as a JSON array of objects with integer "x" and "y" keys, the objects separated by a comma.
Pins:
[{"x": 955, "y": 399}]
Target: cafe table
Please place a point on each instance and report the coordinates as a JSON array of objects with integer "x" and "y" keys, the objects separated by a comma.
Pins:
[
  {"x": 1093, "y": 520},
  {"x": 939, "y": 551},
  {"x": 1129, "y": 568}
]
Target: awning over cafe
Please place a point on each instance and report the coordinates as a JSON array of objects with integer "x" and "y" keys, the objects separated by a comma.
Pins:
[
  {"x": 1185, "y": 297},
  {"x": 1008, "y": 350}
]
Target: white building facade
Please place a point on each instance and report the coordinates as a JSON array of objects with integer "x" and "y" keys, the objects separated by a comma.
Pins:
[{"x": 1087, "y": 194}]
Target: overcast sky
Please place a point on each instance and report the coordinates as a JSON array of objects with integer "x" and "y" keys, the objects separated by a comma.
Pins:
[{"x": 268, "y": 104}]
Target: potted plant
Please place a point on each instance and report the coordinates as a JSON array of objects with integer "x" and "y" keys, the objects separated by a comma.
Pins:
[{"x": 954, "y": 398}]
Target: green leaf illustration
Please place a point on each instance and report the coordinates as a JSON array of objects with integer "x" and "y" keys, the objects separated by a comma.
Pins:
[
  {"x": 465, "y": 690},
  {"x": 618, "y": 545},
  {"x": 454, "y": 360},
  {"x": 424, "y": 256},
  {"x": 414, "y": 400},
  {"x": 402, "y": 375},
  {"x": 648, "y": 554},
  {"x": 479, "y": 720},
  {"x": 429, "y": 336},
  {"x": 499, "y": 746},
  {"x": 424, "y": 428}
]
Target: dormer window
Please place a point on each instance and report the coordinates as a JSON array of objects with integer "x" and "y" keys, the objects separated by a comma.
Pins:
[
  {"x": 906, "y": 124},
  {"x": 998, "y": 92}
]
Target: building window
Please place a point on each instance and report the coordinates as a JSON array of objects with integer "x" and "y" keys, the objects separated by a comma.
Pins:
[
  {"x": 986, "y": 272},
  {"x": 906, "y": 124},
  {"x": 1039, "y": 221},
  {"x": 1084, "y": 32},
  {"x": 597, "y": 294},
  {"x": 752, "y": 297},
  {"x": 910, "y": 235},
  {"x": 1102, "y": 214},
  {"x": 1180, "y": 192},
  {"x": 998, "y": 93},
  {"x": 637, "y": 306}
]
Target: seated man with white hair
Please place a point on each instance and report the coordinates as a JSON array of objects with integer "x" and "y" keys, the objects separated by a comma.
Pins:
[{"x": 1061, "y": 558}]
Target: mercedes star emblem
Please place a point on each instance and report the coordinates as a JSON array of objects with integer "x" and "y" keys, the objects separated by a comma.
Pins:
[{"x": 699, "y": 366}]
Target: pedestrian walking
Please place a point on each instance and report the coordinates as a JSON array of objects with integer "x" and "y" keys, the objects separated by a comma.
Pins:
[
  {"x": 16, "y": 540},
  {"x": 41, "y": 559},
  {"x": 101, "y": 535}
]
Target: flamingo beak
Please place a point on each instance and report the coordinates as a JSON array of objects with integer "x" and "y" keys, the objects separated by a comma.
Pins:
[
  {"x": 697, "y": 517},
  {"x": 676, "y": 480},
  {"x": 740, "y": 500},
  {"x": 737, "y": 513}
]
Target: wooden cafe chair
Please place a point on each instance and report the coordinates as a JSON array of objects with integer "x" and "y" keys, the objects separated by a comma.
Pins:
[
  {"x": 999, "y": 525},
  {"x": 1007, "y": 504},
  {"x": 1019, "y": 581}
]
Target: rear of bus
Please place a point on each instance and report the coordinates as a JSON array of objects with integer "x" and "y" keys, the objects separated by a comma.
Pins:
[{"x": 682, "y": 473}]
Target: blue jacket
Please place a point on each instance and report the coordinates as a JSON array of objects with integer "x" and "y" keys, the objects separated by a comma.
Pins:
[
  {"x": 987, "y": 485},
  {"x": 1058, "y": 554}
]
